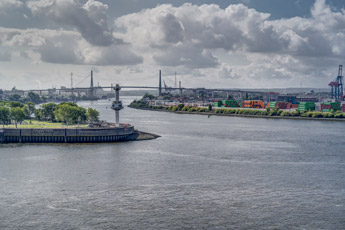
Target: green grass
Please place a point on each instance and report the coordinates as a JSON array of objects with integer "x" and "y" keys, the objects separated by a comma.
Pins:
[{"x": 30, "y": 124}]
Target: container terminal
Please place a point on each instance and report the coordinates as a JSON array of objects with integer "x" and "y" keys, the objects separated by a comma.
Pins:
[{"x": 323, "y": 100}]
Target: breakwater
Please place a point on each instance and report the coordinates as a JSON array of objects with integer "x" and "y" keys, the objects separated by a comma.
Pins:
[{"x": 68, "y": 135}]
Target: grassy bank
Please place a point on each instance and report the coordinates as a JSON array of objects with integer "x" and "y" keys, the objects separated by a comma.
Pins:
[
  {"x": 30, "y": 124},
  {"x": 267, "y": 113}
]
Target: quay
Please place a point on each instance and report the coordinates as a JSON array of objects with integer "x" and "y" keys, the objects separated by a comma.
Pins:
[{"x": 68, "y": 135}]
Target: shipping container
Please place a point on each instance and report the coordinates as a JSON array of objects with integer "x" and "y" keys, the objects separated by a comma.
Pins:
[
  {"x": 305, "y": 106},
  {"x": 217, "y": 104},
  {"x": 230, "y": 103},
  {"x": 280, "y": 105},
  {"x": 253, "y": 104},
  {"x": 328, "y": 106}
]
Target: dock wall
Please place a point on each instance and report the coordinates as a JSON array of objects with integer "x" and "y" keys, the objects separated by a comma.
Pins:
[{"x": 79, "y": 135}]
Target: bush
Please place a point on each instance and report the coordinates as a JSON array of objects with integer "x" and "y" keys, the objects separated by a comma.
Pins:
[
  {"x": 328, "y": 115},
  {"x": 295, "y": 113},
  {"x": 264, "y": 113},
  {"x": 307, "y": 114},
  {"x": 317, "y": 114},
  {"x": 285, "y": 114},
  {"x": 339, "y": 115},
  {"x": 230, "y": 111},
  {"x": 185, "y": 108}
]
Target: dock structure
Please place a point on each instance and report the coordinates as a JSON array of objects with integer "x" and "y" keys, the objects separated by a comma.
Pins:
[{"x": 68, "y": 135}]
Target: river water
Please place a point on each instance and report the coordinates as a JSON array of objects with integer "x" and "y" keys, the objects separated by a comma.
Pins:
[{"x": 203, "y": 173}]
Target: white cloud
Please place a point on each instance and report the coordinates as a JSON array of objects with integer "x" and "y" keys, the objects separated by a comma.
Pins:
[
  {"x": 190, "y": 36},
  {"x": 89, "y": 19},
  {"x": 66, "y": 47},
  {"x": 5, "y": 56},
  {"x": 6, "y": 4},
  {"x": 237, "y": 45}
]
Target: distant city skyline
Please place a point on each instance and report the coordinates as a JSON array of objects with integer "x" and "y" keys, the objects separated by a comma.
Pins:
[{"x": 213, "y": 44}]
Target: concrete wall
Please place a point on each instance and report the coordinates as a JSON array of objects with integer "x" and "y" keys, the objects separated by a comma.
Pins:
[{"x": 88, "y": 135}]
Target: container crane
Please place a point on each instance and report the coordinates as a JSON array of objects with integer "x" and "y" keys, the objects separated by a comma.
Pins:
[{"x": 337, "y": 90}]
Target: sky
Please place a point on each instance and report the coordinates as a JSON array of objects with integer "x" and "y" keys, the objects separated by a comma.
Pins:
[{"x": 212, "y": 44}]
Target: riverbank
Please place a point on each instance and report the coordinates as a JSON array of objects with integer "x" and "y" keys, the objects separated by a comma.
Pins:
[{"x": 213, "y": 113}]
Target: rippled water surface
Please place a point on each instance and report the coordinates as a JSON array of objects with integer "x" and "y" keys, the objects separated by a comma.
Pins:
[{"x": 203, "y": 173}]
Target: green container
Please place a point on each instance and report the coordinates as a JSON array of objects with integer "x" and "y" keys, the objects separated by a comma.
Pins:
[
  {"x": 334, "y": 105},
  {"x": 273, "y": 104},
  {"x": 230, "y": 103},
  {"x": 305, "y": 106},
  {"x": 217, "y": 104}
]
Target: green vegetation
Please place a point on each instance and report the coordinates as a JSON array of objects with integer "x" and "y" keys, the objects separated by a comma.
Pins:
[
  {"x": 17, "y": 114},
  {"x": 31, "y": 124},
  {"x": 67, "y": 113},
  {"x": 272, "y": 112}
]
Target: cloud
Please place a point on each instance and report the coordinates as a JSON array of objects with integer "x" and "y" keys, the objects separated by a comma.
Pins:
[
  {"x": 7, "y": 4},
  {"x": 66, "y": 47},
  {"x": 176, "y": 31},
  {"x": 89, "y": 19},
  {"x": 5, "y": 56}
]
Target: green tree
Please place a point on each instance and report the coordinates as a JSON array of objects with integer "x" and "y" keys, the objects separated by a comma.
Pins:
[
  {"x": 39, "y": 114},
  {"x": 14, "y": 97},
  {"x": 30, "y": 108},
  {"x": 69, "y": 114},
  {"x": 92, "y": 115},
  {"x": 13, "y": 104},
  {"x": 34, "y": 97},
  {"x": 48, "y": 111},
  {"x": 4, "y": 115},
  {"x": 17, "y": 114},
  {"x": 148, "y": 96}
]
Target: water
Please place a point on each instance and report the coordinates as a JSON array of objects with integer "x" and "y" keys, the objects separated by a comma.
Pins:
[{"x": 203, "y": 173}]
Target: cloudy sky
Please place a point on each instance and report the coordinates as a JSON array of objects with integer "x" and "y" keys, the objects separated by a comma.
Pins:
[{"x": 223, "y": 44}]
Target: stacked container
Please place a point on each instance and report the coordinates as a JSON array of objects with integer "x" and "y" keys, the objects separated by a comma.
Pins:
[
  {"x": 217, "y": 104},
  {"x": 230, "y": 103},
  {"x": 280, "y": 105},
  {"x": 328, "y": 106},
  {"x": 253, "y": 104},
  {"x": 305, "y": 106}
]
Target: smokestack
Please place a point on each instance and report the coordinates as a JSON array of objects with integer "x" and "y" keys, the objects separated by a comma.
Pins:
[
  {"x": 160, "y": 83},
  {"x": 179, "y": 83}
]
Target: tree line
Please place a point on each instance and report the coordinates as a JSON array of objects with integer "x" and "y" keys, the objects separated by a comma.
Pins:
[{"x": 67, "y": 112}]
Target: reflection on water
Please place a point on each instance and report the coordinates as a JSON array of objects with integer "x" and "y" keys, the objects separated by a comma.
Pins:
[{"x": 203, "y": 173}]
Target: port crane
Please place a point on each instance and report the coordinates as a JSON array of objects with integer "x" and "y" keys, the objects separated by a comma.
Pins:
[{"x": 337, "y": 90}]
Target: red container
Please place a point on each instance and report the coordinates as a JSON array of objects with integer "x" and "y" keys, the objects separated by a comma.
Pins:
[
  {"x": 326, "y": 106},
  {"x": 343, "y": 108}
]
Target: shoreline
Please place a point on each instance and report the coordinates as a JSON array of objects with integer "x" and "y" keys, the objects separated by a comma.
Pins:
[{"x": 244, "y": 115}]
